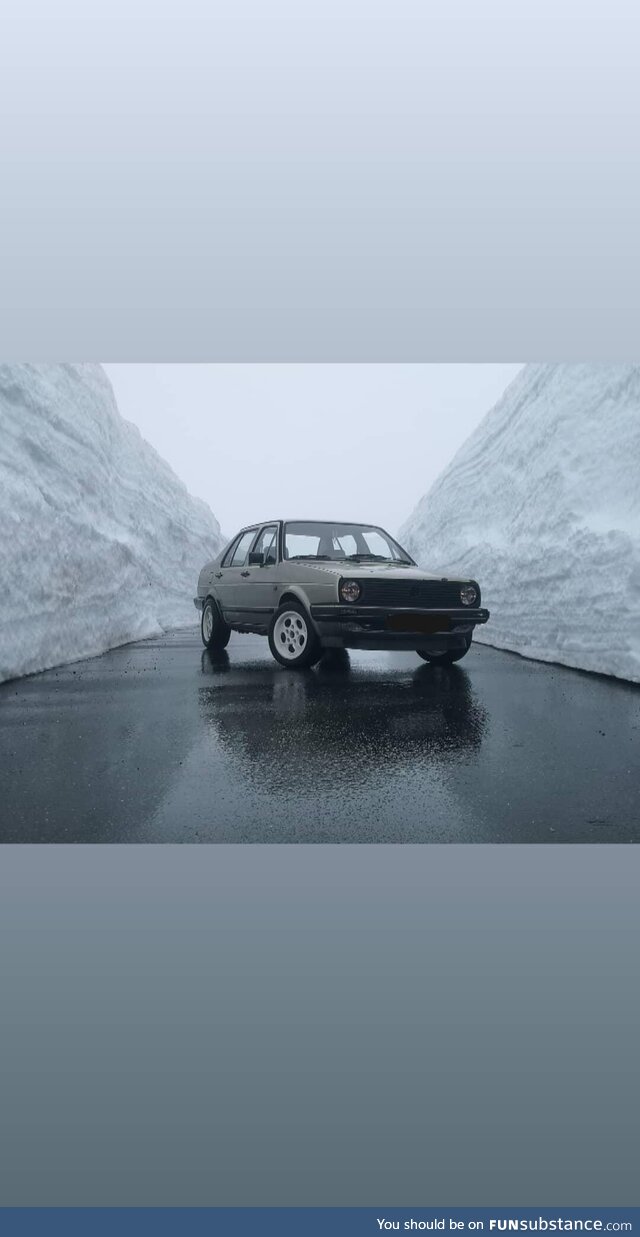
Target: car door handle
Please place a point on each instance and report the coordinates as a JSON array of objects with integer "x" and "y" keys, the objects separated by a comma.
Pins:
[{"x": 244, "y": 573}]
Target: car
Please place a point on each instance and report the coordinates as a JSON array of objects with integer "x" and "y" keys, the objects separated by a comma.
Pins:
[{"x": 313, "y": 585}]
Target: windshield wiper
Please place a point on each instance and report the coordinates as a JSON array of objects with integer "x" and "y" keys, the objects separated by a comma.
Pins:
[
  {"x": 312, "y": 556},
  {"x": 379, "y": 558},
  {"x": 373, "y": 558}
]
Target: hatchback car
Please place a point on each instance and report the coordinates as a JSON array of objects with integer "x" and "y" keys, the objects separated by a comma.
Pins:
[{"x": 311, "y": 585}]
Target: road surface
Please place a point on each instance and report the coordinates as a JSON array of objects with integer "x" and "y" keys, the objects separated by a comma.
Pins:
[{"x": 160, "y": 742}]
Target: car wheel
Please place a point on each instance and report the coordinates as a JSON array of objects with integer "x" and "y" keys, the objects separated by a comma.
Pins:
[
  {"x": 445, "y": 659},
  {"x": 213, "y": 629},
  {"x": 292, "y": 639}
]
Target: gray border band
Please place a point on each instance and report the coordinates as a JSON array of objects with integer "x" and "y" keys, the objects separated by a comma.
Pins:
[{"x": 319, "y": 1025}]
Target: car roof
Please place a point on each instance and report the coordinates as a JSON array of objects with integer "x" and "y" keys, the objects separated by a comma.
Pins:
[{"x": 299, "y": 519}]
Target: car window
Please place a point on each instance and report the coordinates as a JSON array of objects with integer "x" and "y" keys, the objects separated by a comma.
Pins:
[
  {"x": 375, "y": 542},
  {"x": 242, "y": 549},
  {"x": 266, "y": 543},
  {"x": 346, "y": 542},
  {"x": 298, "y": 544},
  {"x": 229, "y": 554},
  {"x": 323, "y": 539}
]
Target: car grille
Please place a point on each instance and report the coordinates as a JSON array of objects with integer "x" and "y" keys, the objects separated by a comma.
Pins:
[{"x": 432, "y": 594}]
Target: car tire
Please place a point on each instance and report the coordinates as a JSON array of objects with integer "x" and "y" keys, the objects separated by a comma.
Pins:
[
  {"x": 292, "y": 638},
  {"x": 444, "y": 659},
  {"x": 213, "y": 629}
]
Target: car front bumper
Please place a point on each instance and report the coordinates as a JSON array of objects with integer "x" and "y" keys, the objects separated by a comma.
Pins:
[{"x": 368, "y": 627}]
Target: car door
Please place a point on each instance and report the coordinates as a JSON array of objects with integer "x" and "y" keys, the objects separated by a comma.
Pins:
[
  {"x": 229, "y": 575},
  {"x": 256, "y": 594}
]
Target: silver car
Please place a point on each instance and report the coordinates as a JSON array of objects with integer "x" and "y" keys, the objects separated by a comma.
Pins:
[{"x": 311, "y": 585}]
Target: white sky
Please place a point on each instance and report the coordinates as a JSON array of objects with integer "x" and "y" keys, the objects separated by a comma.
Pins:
[{"x": 361, "y": 442}]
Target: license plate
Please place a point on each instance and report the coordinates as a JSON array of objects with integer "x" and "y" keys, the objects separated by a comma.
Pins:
[{"x": 429, "y": 624}]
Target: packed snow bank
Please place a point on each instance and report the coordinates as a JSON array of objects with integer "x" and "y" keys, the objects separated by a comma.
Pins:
[
  {"x": 101, "y": 543},
  {"x": 542, "y": 506}
]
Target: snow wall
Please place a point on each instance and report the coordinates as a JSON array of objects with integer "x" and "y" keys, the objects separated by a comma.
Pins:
[
  {"x": 542, "y": 506},
  {"x": 100, "y": 542}
]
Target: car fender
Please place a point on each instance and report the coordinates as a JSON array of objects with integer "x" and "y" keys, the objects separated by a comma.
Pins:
[{"x": 297, "y": 593}]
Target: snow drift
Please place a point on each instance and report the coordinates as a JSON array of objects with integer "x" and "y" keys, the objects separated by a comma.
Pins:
[
  {"x": 101, "y": 543},
  {"x": 542, "y": 506}
]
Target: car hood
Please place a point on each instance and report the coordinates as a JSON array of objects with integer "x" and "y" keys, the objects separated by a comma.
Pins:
[{"x": 359, "y": 571}]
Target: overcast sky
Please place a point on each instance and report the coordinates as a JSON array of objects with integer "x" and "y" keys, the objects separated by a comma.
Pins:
[{"x": 361, "y": 442}]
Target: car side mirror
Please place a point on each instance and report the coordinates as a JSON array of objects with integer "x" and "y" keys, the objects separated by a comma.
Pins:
[{"x": 256, "y": 558}]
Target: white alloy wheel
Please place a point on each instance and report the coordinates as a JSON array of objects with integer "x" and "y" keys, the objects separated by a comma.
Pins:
[
  {"x": 207, "y": 622},
  {"x": 290, "y": 635},
  {"x": 215, "y": 632}
]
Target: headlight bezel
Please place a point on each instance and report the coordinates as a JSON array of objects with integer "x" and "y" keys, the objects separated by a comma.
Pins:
[
  {"x": 469, "y": 594},
  {"x": 349, "y": 583}
]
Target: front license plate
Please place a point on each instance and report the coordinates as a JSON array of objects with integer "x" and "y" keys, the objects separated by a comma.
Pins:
[{"x": 427, "y": 623}]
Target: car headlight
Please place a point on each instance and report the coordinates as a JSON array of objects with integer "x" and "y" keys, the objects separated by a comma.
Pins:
[
  {"x": 468, "y": 595},
  {"x": 350, "y": 590}
]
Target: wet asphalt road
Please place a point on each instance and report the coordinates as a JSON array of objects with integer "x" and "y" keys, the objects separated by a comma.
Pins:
[{"x": 158, "y": 742}]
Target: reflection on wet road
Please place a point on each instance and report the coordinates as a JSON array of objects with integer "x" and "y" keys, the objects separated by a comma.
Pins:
[{"x": 159, "y": 741}]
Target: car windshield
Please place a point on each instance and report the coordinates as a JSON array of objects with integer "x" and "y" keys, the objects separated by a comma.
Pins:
[{"x": 359, "y": 543}]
